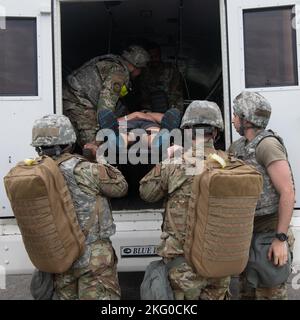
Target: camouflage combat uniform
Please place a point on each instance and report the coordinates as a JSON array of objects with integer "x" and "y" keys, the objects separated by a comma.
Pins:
[
  {"x": 94, "y": 86},
  {"x": 266, "y": 214},
  {"x": 255, "y": 109},
  {"x": 166, "y": 78},
  {"x": 171, "y": 182},
  {"x": 94, "y": 274}
]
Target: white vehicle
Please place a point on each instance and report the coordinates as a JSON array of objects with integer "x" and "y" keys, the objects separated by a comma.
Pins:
[{"x": 221, "y": 47}]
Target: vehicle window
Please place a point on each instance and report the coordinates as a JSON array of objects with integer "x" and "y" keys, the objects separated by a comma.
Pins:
[
  {"x": 270, "y": 48},
  {"x": 18, "y": 58}
]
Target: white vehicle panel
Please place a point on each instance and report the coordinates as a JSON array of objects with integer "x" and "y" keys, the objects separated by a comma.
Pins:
[{"x": 19, "y": 112}]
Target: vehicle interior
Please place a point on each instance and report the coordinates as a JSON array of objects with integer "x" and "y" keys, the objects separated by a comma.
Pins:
[{"x": 188, "y": 32}]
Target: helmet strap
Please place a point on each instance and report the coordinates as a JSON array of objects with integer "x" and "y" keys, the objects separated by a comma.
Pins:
[
  {"x": 206, "y": 129},
  {"x": 39, "y": 151},
  {"x": 55, "y": 150},
  {"x": 51, "y": 152},
  {"x": 216, "y": 135},
  {"x": 58, "y": 150},
  {"x": 241, "y": 130},
  {"x": 244, "y": 126}
]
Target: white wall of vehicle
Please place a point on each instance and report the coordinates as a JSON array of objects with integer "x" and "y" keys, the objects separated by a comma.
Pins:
[
  {"x": 296, "y": 231},
  {"x": 136, "y": 230},
  {"x": 13, "y": 256},
  {"x": 142, "y": 229},
  {"x": 19, "y": 112},
  {"x": 285, "y": 118}
]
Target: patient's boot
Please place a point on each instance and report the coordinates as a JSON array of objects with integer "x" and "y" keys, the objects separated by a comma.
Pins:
[
  {"x": 107, "y": 120},
  {"x": 171, "y": 119}
]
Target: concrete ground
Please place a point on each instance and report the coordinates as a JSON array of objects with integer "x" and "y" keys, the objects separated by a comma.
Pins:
[{"x": 17, "y": 287}]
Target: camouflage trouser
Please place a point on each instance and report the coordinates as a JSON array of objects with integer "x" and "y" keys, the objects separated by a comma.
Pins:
[
  {"x": 246, "y": 292},
  {"x": 186, "y": 284},
  {"x": 82, "y": 115},
  {"x": 97, "y": 281}
]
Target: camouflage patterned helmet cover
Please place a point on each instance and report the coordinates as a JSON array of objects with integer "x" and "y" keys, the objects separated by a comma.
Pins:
[
  {"x": 253, "y": 107},
  {"x": 202, "y": 112},
  {"x": 52, "y": 130},
  {"x": 137, "y": 56}
]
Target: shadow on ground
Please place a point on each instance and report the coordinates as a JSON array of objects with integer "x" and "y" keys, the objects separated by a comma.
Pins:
[{"x": 17, "y": 287}]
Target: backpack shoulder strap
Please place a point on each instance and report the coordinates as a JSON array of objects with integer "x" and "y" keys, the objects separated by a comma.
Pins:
[
  {"x": 222, "y": 154},
  {"x": 63, "y": 157}
]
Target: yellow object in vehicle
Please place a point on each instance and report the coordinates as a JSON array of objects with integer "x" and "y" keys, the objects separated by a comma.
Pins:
[{"x": 123, "y": 91}]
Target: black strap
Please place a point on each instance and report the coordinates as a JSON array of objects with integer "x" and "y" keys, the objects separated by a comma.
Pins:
[{"x": 63, "y": 157}]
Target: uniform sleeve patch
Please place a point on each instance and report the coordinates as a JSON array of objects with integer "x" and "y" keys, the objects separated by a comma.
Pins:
[{"x": 116, "y": 87}]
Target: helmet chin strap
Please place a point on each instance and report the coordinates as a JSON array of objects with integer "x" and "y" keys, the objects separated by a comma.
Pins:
[
  {"x": 54, "y": 151},
  {"x": 241, "y": 130},
  {"x": 244, "y": 127},
  {"x": 216, "y": 135}
]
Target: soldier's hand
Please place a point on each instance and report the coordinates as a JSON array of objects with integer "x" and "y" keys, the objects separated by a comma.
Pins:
[
  {"x": 279, "y": 251},
  {"x": 174, "y": 151},
  {"x": 90, "y": 150}
]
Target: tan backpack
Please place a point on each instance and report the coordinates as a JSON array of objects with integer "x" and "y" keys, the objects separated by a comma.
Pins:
[
  {"x": 220, "y": 217},
  {"x": 44, "y": 210}
]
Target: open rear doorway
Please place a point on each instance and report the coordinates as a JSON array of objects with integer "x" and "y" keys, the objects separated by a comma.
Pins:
[{"x": 188, "y": 32}]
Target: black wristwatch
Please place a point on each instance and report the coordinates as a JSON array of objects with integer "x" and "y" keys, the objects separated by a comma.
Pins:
[{"x": 281, "y": 237}]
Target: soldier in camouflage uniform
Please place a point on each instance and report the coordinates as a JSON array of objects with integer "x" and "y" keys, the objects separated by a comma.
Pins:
[
  {"x": 171, "y": 181},
  {"x": 94, "y": 274},
  {"x": 98, "y": 85},
  {"x": 266, "y": 151},
  {"x": 160, "y": 84}
]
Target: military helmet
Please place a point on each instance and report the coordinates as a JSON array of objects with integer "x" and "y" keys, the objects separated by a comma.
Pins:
[
  {"x": 253, "y": 107},
  {"x": 202, "y": 113},
  {"x": 137, "y": 56},
  {"x": 52, "y": 130}
]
